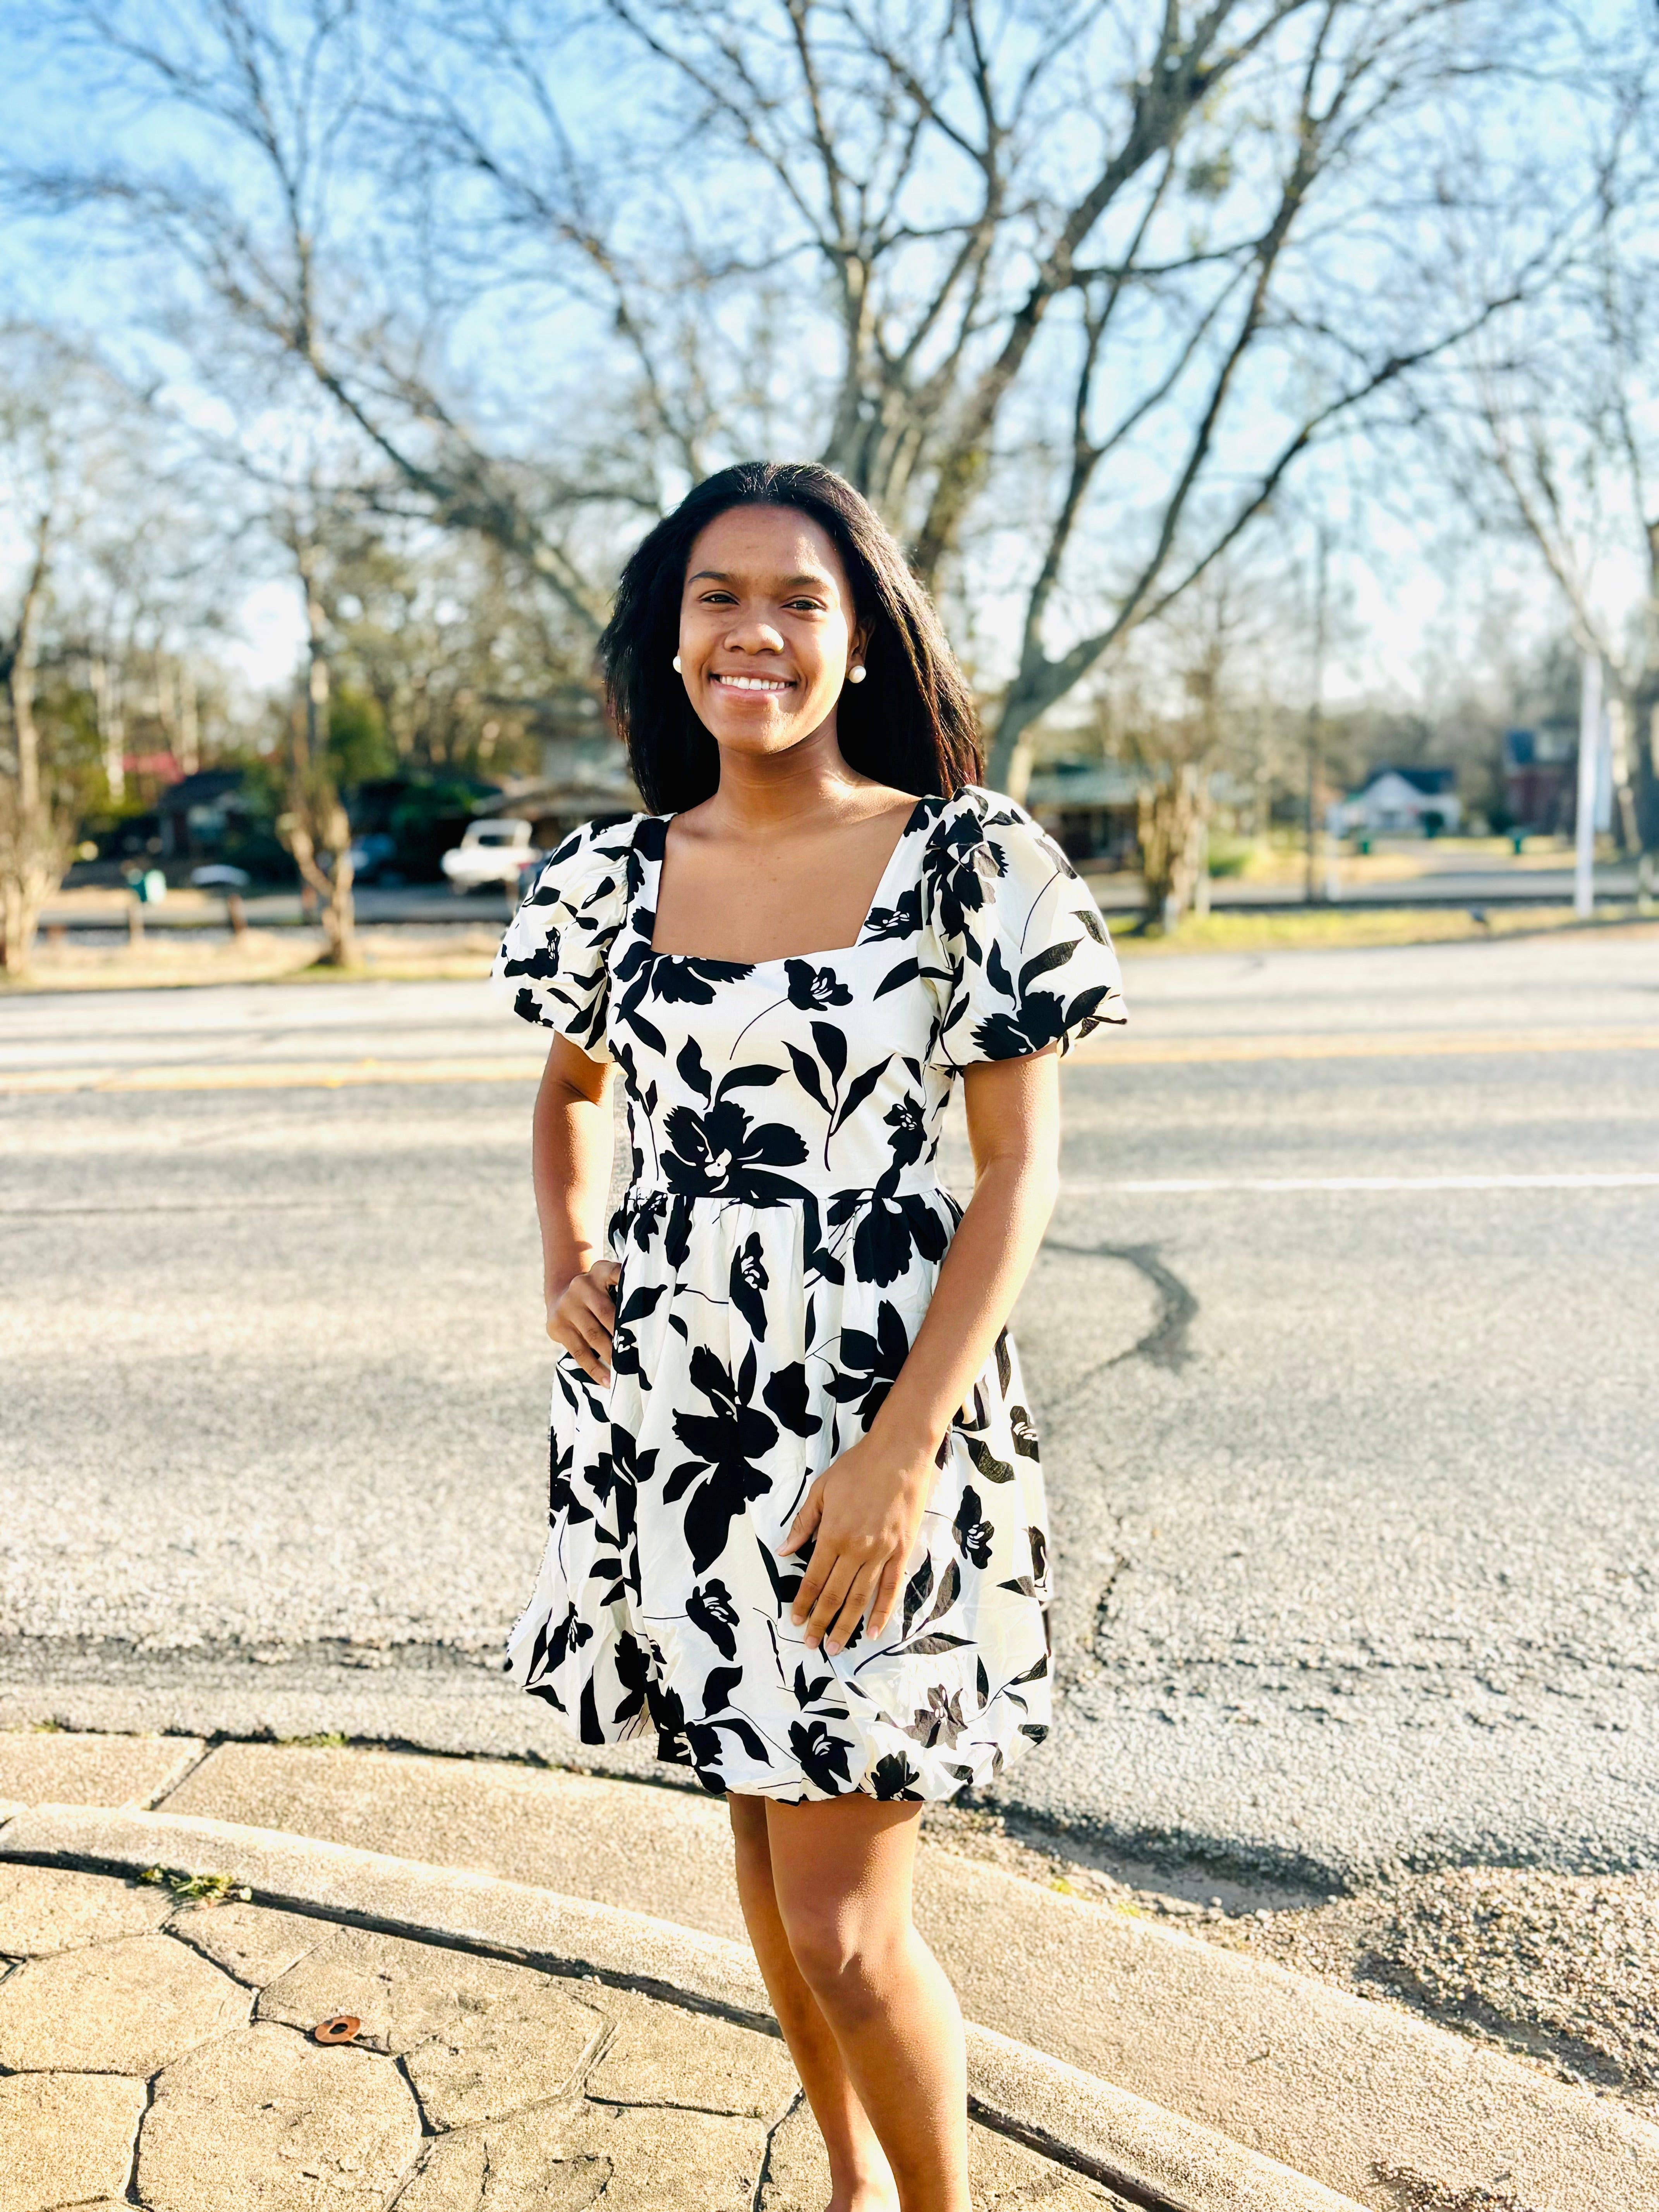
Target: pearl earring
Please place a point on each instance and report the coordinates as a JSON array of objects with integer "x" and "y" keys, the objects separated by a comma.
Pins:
[
  {"x": 855, "y": 673},
  {"x": 678, "y": 670}
]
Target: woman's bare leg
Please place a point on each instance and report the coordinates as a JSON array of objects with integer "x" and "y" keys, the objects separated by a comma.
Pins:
[
  {"x": 860, "y": 2179},
  {"x": 842, "y": 1877}
]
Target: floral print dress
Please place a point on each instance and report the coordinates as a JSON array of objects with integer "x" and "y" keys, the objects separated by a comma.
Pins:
[{"x": 780, "y": 1238}]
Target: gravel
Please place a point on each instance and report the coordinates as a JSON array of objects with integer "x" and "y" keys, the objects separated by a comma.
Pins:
[{"x": 1561, "y": 1970}]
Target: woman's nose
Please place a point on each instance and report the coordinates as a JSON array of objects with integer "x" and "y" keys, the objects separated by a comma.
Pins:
[{"x": 753, "y": 635}]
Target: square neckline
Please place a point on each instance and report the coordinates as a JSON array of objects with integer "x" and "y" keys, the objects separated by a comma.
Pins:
[{"x": 653, "y": 883}]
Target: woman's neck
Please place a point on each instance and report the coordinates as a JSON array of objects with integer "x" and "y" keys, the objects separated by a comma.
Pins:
[{"x": 758, "y": 793}]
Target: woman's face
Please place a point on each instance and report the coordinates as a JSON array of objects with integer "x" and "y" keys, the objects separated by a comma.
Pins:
[{"x": 767, "y": 628}]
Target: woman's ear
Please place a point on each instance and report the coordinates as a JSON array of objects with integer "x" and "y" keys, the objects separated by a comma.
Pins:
[{"x": 859, "y": 644}]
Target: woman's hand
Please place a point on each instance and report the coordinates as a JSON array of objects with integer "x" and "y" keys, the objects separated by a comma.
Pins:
[
  {"x": 863, "y": 1512},
  {"x": 583, "y": 1318}
]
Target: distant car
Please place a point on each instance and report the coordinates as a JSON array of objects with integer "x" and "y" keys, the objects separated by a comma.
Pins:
[
  {"x": 219, "y": 876},
  {"x": 493, "y": 852},
  {"x": 372, "y": 855}
]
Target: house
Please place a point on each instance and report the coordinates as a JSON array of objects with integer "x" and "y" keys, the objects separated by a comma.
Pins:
[
  {"x": 199, "y": 813},
  {"x": 1420, "y": 799},
  {"x": 1089, "y": 808},
  {"x": 583, "y": 778},
  {"x": 1541, "y": 771}
]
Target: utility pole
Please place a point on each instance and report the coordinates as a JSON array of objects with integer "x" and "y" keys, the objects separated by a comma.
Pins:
[
  {"x": 1316, "y": 714},
  {"x": 1589, "y": 762}
]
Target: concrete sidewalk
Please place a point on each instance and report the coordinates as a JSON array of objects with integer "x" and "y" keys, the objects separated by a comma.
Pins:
[
  {"x": 176, "y": 2051},
  {"x": 1117, "y": 2061}
]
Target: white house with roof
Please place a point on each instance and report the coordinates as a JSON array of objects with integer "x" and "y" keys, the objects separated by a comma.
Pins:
[{"x": 1423, "y": 800}]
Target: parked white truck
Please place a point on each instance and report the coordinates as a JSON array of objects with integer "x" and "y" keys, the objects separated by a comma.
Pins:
[{"x": 497, "y": 851}]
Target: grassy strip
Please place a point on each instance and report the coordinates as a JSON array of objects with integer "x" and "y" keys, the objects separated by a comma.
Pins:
[
  {"x": 265, "y": 957},
  {"x": 1336, "y": 928}
]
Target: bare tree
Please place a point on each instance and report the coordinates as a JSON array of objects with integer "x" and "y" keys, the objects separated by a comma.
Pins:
[
  {"x": 61, "y": 418},
  {"x": 1554, "y": 436},
  {"x": 915, "y": 236},
  {"x": 314, "y": 828},
  {"x": 1220, "y": 163},
  {"x": 35, "y": 832},
  {"x": 1190, "y": 703},
  {"x": 464, "y": 666},
  {"x": 150, "y": 579}
]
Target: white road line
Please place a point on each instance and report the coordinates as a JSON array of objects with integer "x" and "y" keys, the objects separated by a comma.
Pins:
[
  {"x": 270, "y": 1075},
  {"x": 1133, "y": 1051},
  {"x": 1188, "y": 1185}
]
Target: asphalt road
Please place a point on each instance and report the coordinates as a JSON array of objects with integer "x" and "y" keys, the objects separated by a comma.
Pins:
[{"x": 1344, "y": 1343}]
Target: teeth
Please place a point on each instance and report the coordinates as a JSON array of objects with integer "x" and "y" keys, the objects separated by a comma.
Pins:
[{"x": 752, "y": 683}]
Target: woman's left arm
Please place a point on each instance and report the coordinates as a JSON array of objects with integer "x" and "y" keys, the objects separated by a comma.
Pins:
[{"x": 862, "y": 1511}]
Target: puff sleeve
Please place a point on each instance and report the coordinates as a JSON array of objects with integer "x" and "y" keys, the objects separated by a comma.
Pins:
[
  {"x": 1025, "y": 958},
  {"x": 555, "y": 958}
]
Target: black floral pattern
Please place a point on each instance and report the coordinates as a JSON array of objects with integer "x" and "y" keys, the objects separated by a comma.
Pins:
[
  {"x": 727, "y": 1442},
  {"x": 780, "y": 1238},
  {"x": 710, "y": 1608},
  {"x": 870, "y": 1364},
  {"x": 723, "y": 1154},
  {"x": 811, "y": 987}
]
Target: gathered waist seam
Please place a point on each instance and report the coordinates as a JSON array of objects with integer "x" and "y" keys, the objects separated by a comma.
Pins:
[{"x": 926, "y": 1185}]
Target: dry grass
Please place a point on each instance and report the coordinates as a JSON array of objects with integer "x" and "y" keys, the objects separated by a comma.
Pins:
[
  {"x": 1333, "y": 928},
  {"x": 264, "y": 955}
]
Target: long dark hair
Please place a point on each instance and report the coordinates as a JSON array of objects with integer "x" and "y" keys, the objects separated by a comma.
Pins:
[{"x": 912, "y": 725}]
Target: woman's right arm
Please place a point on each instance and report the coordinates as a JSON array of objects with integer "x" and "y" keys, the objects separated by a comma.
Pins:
[{"x": 571, "y": 1144}]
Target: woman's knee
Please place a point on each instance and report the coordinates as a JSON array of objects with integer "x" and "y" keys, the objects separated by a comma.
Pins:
[{"x": 845, "y": 1958}]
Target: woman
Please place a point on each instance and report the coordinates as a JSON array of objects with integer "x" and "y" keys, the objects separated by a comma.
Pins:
[{"x": 797, "y": 1518}]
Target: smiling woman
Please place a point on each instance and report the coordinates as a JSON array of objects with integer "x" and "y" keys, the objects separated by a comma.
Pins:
[
  {"x": 797, "y": 1520},
  {"x": 912, "y": 724}
]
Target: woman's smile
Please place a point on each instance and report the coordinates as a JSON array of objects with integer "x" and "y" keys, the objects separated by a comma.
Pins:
[{"x": 736, "y": 682}]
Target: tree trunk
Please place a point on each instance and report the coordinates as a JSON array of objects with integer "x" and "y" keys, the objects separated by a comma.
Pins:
[
  {"x": 1644, "y": 718},
  {"x": 1008, "y": 764},
  {"x": 112, "y": 732},
  {"x": 190, "y": 732},
  {"x": 317, "y": 824},
  {"x": 1173, "y": 822},
  {"x": 1626, "y": 829},
  {"x": 1645, "y": 715},
  {"x": 1646, "y": 748},
  {"x": 31, "y": 869},
  {"x": 32, "y": 838}
]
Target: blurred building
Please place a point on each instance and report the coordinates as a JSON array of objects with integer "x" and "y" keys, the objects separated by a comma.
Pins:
[
  {"x": 1540, "y": 773},
  {"x": 1089, "y": 808},
  {"x": 199, "y": 815},
  {"x": 583, "y": 778},
  {"x": 1421, "y": 800}
]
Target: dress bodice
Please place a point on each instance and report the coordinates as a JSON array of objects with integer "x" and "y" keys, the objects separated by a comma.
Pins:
[{"x": 769, "y": 1081}]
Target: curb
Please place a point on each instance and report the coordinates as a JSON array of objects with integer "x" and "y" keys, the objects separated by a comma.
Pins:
[{"x": 1155, "y": 2159}]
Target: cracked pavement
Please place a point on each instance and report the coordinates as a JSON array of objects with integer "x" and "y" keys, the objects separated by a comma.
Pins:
[{"x": 162, "y": 2049}]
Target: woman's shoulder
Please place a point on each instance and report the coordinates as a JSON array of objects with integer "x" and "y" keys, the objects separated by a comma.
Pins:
[
  {"x": 975, "y": 816},
  {"x": 592, "y": 863}
]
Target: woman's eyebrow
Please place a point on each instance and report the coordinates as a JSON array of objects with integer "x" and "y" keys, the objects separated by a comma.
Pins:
[{"x": 819, "y": 580}]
